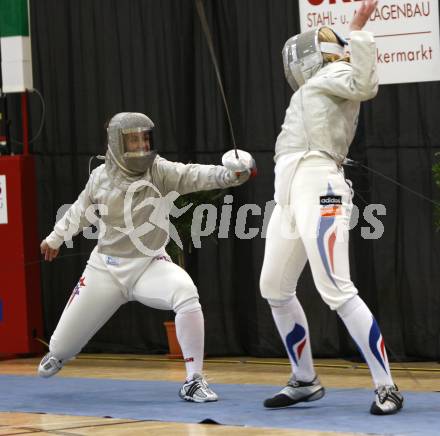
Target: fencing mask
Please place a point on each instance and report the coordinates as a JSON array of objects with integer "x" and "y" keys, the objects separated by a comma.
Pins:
[
  {"x": 130, "y": 142},
  {"x": 302, "y": 56}
]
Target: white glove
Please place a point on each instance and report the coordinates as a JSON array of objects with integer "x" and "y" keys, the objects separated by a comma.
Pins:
[{"x": 244, "y": 164}]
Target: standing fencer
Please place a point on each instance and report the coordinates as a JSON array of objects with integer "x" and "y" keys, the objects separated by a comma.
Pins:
[
  {"x": 130, "y": 261},
  {"x": 314, "y": 203}
]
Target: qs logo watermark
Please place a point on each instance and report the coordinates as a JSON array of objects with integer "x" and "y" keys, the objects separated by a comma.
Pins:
[{"x": 145, "y": 220}]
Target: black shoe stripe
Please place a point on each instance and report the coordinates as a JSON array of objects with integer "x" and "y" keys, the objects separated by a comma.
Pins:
[
  {"x": 395, "y": 399},
  {"x": 193, "y": 388}
]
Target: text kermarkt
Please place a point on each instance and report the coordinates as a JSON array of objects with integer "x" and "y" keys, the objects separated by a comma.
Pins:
[{"x": 423, "y": 54}]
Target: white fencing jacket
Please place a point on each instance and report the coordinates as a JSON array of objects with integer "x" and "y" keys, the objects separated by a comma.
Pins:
[
  {"x": 124, "y": 211},
  {"x": 323, "y": 113},
  {"x": 322, "y": 116}
]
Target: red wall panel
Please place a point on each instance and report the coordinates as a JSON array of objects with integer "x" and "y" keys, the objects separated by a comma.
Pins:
[{"x": 20, "y": 294}]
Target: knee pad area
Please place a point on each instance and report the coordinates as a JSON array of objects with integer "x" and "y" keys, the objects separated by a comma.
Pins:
[
  {"x": 275, "y": 295},
  {"x": 279, "y": 303},
  {"x": 189, "y": 304},
  {"x": 272, "y": 289},
  {"x": 268, "y": 290},
  {"x": 337, "y": 299},
  {"x": 349, "y": 306}
]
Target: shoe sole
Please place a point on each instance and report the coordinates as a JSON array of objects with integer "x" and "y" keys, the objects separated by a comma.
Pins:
[
  {"x": 195, "y": 400},
  {"x": 46, "y": 375},
  {"x": 377, "y": 411},
  {"x": 315, "y": 396}
]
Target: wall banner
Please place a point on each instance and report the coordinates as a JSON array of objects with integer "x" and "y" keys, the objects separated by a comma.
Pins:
[{"x": 407, "y": 34}]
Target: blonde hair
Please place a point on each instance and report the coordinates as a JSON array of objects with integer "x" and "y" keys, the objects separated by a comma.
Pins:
[{"x": 327, "y": 35}]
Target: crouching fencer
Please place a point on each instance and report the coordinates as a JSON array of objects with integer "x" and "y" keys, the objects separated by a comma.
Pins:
[
  {"x": 314, "y": 202},
  {"x": 130, "y": 262}
]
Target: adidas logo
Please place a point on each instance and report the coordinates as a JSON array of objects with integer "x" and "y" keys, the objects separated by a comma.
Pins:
[{"x": 326, "y": 200}]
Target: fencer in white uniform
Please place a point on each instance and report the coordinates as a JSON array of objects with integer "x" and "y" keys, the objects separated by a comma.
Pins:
[
  {"x": 314, "y": 204},
  {"x": 133, "y": 193}
]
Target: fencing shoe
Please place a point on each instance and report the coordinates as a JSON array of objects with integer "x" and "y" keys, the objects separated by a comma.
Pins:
[
  {"x": 197, "y": 390},
  {"x": 388, "y": 401},
  {"x": 296, "y": 392},
  {"x": 49, "y": 366}
]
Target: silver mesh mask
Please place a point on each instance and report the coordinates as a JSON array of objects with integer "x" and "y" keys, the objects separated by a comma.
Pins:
[
  {"x": 302, "y": 56},
  {"x": 131, "y": 162}
]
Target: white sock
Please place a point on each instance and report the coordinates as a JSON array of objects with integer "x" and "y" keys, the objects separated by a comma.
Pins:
[
  {"x": 364, "y": 330},
  {"x": 291, "y": 322},
  {"x": 190, "y": 331}
]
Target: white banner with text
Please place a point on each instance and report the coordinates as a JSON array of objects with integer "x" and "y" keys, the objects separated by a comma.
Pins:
[{"x": 407, "y": 34}]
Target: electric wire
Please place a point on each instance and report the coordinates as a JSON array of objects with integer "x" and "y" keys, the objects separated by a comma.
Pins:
[
  {"x": 350, "y": 162},
  {"x": 43, "y": 119}
]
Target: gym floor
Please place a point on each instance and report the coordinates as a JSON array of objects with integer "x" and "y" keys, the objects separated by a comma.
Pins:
[{"x": 333, "y": 373}]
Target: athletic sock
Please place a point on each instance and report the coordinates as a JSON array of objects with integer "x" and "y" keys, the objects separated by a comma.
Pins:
[
  {"x": 291, "y": 322},
  {"x": 190, "y": 331},
  {"x": 365, "y": 331}
]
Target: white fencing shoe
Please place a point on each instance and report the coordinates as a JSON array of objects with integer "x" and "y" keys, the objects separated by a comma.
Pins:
[
  {"x": 388, "y": 401},
  {"x": 197, "y": 390},
  {"x": 49, "y": 366},
  {"x": 296, "y": 392}
]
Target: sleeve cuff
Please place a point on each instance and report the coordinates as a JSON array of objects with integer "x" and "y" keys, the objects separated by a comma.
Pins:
[
  {"x": 54, "y": 241},
  {"x": 361, "y": 35}
]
